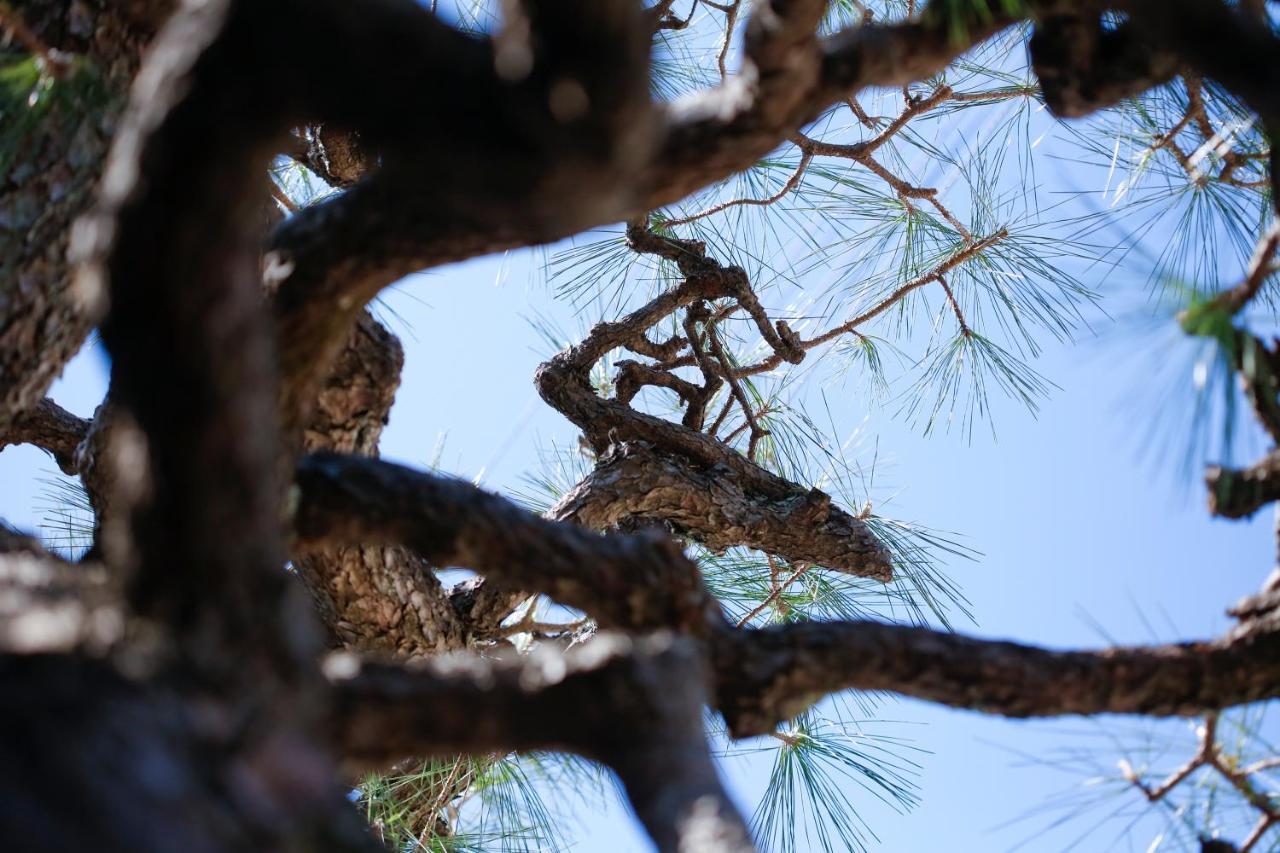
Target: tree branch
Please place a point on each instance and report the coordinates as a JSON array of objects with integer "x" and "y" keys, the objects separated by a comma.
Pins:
[
  {"x": 771, "y": 674},
  {"x": 634, "y": 481},
  {"x": 764, "y": 676},
  {"x": 1239, "y": 493},
  {"x": 51, "y": 428},
  {"x": 633, "y": 704},
  {"x": 631, "y": 582}
]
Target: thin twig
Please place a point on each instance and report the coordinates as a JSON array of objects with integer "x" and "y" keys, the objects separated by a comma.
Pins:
[
  {"x": 792, "y": 182},
  {"x": 713, "y": 340},
  {"x": 955, "y": 306},
  {"x": 282, "y": 198},
  {"x": 946, "y": 266},
  {"x": 774, "y": 594},
  {"x": 1235, "y": 299},
  {"x": 730, "y": 21}
]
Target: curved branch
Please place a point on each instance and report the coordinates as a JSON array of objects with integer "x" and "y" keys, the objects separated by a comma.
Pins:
[
  {"x": 192, "y": 365},
  {"x": 51, "y": 428},
  {"x": 635, "y": 481},
  {"x": 764, "y": 676},
  {"x": 633, "y": 704},
  {"x": 632, "y": 582}
]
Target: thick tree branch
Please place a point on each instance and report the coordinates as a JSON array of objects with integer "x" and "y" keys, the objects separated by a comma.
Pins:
[
  {"x": 765, "y": 676},
  {"x": 757, "y": 501},
  {"x": 51, "y": 428},
  {"x": 372, "y": 598},
  {"x": 1084, "y": 67},
  {"x": 567, "y": 88},
  {"x": 630, "y": 582},
  {"x": 191, "y": 365},
  {"x": 769, "y": 675},
  {"x": 636, "y": 482},
  {"x": 633, "y": 704},
  {"x": 96, "y": 760},
  {"x": 342, "y": 252},
  {"x": 43, "y": 319},
  {"x": 1240, "y": 492}
]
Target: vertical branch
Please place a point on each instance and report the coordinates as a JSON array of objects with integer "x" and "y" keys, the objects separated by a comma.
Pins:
[{"x": 175, "y": 244}]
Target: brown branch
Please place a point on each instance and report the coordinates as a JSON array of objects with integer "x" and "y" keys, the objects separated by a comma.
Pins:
[
  {"x": 1259, "y": 269},
  {"x": 635, "y": 705},
  {"x": 625, "y": 581},
  {"x": 564, "y": 383},
  {"x": 735, "y": 389},
  {"x": 955, "y": 307},
  {"x": 790, "y": 184},
  {"x": 779, "y": 587},
  {"x": 43, "y": 319},
  {"x": 1239, "y": 493},
  {"x": 1210, "y": 755},
  {"x": 1259, "y": 829},
  {"x": 731, "y": 10},
  {"x": 1084, "y": 67},
  {"x": 323, "y": 255},
  {"x": 326, "y": 261},
  {"x": 222, "y": 682},
  {"x": 373, "y": 598},
  {"x": 635, "y": 482},
  {"x": 1202, "y": 758},
  {"x": 51, "y": 428},
  {"x": 888, "y": 302},
  {"x": 177, "y": 207},
  {"x": 858, "y": 150},
  {"x": 703, "y": 139},
  {"x": 768, "y": 675}
]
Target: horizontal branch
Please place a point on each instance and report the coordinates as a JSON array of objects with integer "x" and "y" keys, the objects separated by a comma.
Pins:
[
  {"x": 632, "y": 582},
  {"x": 633, "y": 704},
  {"x": 1084, "y": 67},
  {"x": 771, "y": 674},
  {"x": 636, "y": 482},
  {"x": 51, "y": 428},
  {"x": 764, "y": 676},
  {"x": 1240, "y": 492}
]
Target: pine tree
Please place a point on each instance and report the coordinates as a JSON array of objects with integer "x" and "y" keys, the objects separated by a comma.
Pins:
[{"x": 241, "y": 632}]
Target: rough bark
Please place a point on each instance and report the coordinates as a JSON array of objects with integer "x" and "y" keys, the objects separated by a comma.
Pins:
[
  {"x": 632, "y": 482},
  {"x": 765, "y": 676},
  {"x": 195, "y": 717},
  {"x": 1240, "y": 492},
  {"x": 220, "y": 665},
  {"x": 372, "y": 598},
  {"x": 631, "y": 582},
  {"x": 80, "y": 732},
  {"x": 51, "y": 157},
  {"x": 635, "y": 705},
  {"x": 51, "y": 428},
  {"x": 770, "y": 675},
  {"x": 714, "y": 494}
]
